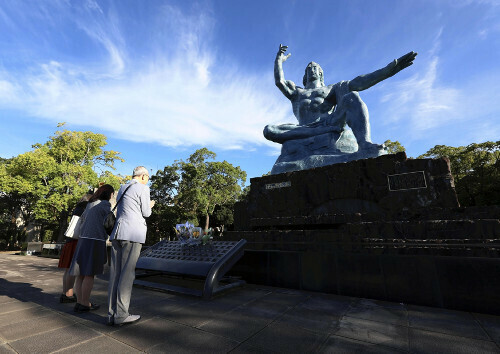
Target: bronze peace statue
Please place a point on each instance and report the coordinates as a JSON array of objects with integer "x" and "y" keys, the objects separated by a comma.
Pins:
[{"x": 320, "y": 137}]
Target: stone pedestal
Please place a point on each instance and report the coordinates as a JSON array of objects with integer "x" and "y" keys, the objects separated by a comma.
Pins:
[{"x": 387, "y": 228}]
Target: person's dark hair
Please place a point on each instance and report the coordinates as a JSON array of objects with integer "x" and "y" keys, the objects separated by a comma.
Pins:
[
  {"x": 103, "y": 193},
  {"x": 86, "y": 197}
]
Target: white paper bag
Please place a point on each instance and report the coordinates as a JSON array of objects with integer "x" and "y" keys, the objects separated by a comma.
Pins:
[{"x": 73, "y": 230}]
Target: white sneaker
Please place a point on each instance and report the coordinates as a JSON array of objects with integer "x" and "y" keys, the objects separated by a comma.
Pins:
[{"x": 128, "y": 320}]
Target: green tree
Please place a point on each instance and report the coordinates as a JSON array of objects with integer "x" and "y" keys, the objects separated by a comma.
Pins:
[
  {"x": 12, "y": 207},
  {"x": 116, "y": 181},
  {"x": 394, "y": 147},
  {"x": 195, "y": 190},
  {"x": 165, "y": 213},
  {"x": 476, "y": 171},
  {"x": 206, "y": 184},
  {"x": 223, "y": 215},
  {"x": 54, "y": 175}
]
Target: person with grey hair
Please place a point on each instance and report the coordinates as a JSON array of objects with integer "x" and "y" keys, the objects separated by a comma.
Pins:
[{"x": 127, "y": 237}]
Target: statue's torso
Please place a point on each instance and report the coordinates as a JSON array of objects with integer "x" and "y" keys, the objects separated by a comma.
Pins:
[{"x": 309, "y": 105}]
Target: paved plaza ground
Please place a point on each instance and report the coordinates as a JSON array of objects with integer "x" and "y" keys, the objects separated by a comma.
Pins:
[{"x": 252, "y": 318}]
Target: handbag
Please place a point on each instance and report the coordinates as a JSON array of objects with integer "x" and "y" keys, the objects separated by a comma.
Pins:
[
  {"x": 110, "y": 219},
  {"x": 73, "y": 228},
  {"x": 78, "y": 227},
  {"x": 109, "y": 222}
]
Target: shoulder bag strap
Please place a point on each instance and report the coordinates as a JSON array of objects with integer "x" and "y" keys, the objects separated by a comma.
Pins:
[{"x": 119, "y": 200}]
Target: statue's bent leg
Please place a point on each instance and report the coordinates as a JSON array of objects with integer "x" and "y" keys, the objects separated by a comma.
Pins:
[
  {"x": 278, "y": 133},
  {"x": 285, "y": 132},
  {"x": 358, "y": 119}
]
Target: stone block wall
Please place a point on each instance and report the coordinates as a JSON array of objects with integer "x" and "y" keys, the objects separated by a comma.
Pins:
[{"x": 386, "y": 228}]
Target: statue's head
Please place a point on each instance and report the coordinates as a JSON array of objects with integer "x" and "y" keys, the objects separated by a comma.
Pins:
[{"x": 313, "y": 70}]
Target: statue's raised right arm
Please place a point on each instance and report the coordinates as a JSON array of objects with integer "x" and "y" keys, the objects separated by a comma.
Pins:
[
  {"x": 363, "y": 82},
  {"x": 286, "y": 86}
]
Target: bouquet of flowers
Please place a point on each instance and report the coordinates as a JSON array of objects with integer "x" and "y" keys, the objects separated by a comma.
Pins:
[{"x": 189, "y": 234}]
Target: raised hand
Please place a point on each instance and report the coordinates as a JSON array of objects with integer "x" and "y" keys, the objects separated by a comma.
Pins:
[
  {"x": 281, "y": 53},
  {"x": 399, "y": 64}
]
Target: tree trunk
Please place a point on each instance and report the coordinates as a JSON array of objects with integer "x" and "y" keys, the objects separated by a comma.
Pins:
[
  {"x": 11, "y": 231},
  {"x": 63, "y": 225},
  {"x": 41, "y": 234},
  {"x": 207, "y": 221}
]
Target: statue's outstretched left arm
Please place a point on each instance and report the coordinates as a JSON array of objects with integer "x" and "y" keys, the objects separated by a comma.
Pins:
[{"x": 363, "y": 82}]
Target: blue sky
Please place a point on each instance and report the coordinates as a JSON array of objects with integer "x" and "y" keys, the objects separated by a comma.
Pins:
[{"x": 163, "y": 78}]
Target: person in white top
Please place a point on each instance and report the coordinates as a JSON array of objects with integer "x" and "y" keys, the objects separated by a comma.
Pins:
[{"x": 69, "y": 248}]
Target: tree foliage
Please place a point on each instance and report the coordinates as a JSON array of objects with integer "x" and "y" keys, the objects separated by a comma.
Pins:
[
  {"x": 165, "y": 214},
  {"x": 394, "y": 147},
  {"x": 476, "y": 170},
  {"x": 10, "y": 233},
  {"x": 194, "y": 189},
  {"x": 52, "y": 177},
  {"x": 206, "y": 184}
]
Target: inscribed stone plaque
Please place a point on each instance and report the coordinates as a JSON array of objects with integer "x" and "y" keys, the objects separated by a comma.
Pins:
[
  {"x": 278, "y": 185},
  {"x": 406, "y": 181}
]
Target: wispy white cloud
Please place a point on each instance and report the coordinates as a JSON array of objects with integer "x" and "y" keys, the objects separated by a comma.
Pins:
[
  {"x": 492, "y": 3},
  {"x": 105, "y": 29},
  {"x": 427, "y": 108},
  {"x": 6, "y": 19},
  {"x": 7, "y": 91},
  {"x": 422, "y": 102},
  {"x": 486, "y": 32},
  {"x": 489, "y": 23},
  {"x": 177, "y": 96}
]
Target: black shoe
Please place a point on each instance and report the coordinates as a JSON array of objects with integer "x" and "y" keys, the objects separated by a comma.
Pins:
[
  {"x": 110, "y": 321},
  {"x": 67, "y": 299},
  {"x": 82, "y": 308}
]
